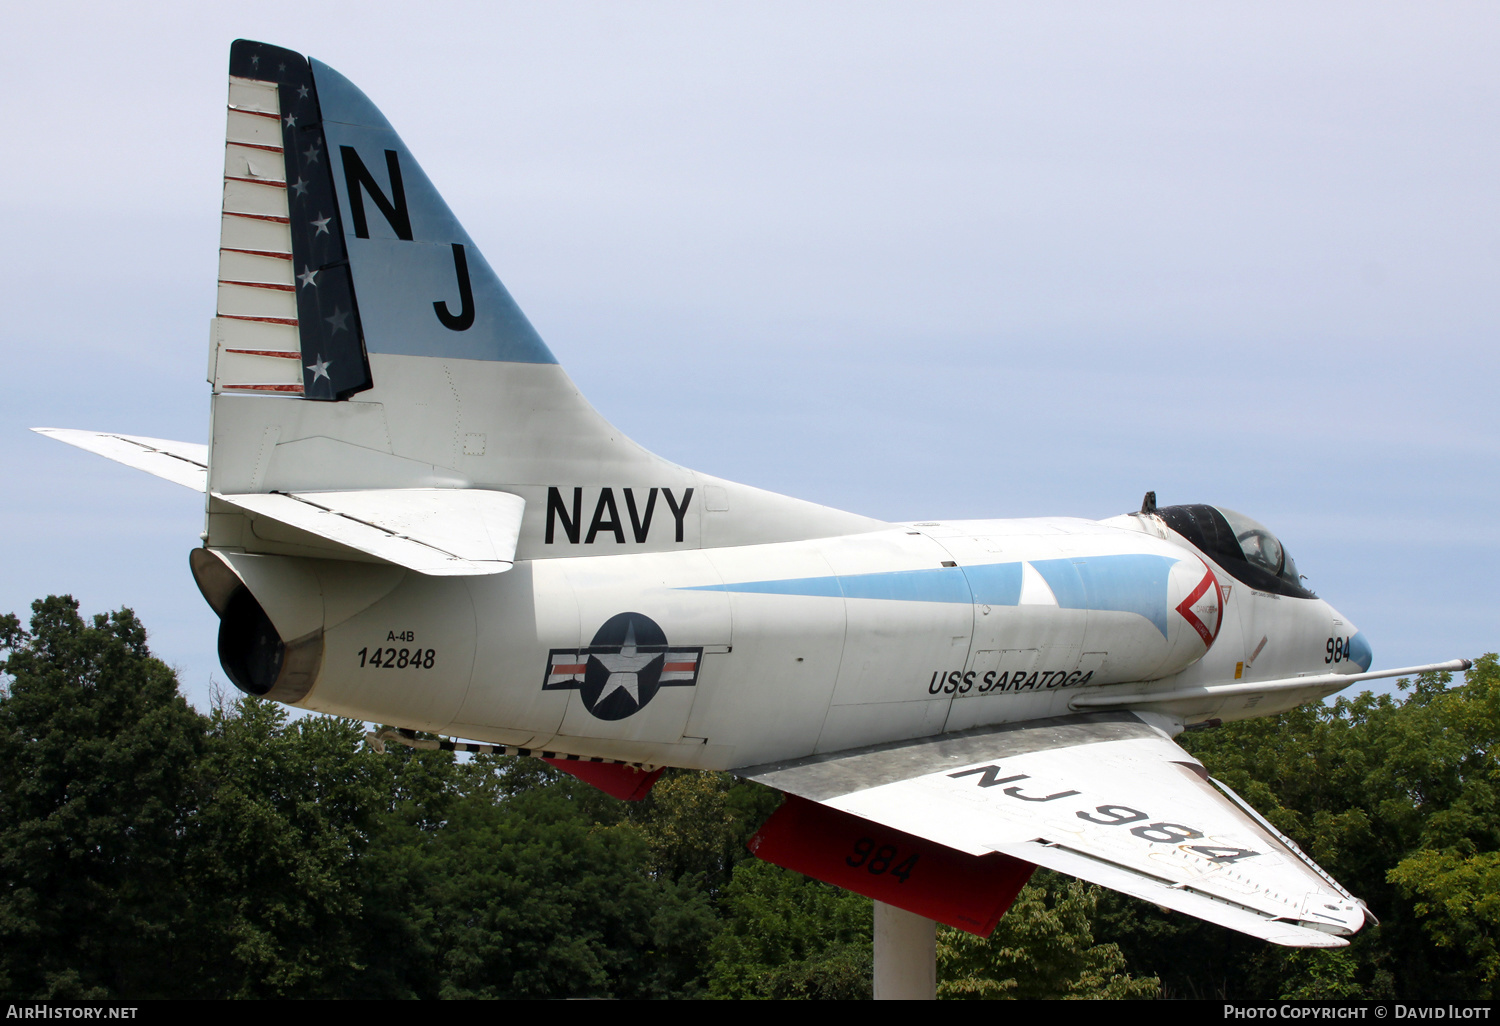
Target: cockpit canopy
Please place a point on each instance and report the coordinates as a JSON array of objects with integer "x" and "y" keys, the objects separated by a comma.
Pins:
[{"x": 1243, "y": 547}]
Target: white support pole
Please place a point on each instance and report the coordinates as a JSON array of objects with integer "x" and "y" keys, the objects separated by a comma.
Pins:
[{"x": 905, "y": 955}]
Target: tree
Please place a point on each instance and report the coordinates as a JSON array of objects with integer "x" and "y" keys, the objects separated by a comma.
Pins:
[
  {"x": 97, "y": 791},
  {"x": 1455, "y": 876},
  {"x": 1043, "y": 948},
  {"x": 790, "y": 936},
  {"x": 698, "y": 824},
  {"x": 274, "y": 855},
  {"x": 513, "y": 879}
]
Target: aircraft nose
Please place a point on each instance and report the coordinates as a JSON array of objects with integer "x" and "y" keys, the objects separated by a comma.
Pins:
[{"x": 1357, "y": 651}]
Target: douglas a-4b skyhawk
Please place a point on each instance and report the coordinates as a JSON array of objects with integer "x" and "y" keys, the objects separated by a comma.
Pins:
[{"x": 414, "y": 518}]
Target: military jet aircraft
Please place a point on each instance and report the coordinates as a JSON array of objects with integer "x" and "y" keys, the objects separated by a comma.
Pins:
[{"x": 414, "y": 518}]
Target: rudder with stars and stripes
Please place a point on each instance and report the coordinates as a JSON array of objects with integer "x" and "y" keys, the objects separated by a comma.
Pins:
[{"x": 287, "y": 320}]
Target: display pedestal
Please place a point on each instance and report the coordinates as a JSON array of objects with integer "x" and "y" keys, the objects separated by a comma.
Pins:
[{"x": 905, "y": 955}]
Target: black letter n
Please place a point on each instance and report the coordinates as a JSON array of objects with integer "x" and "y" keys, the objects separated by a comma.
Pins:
[
  {"x": 556, "y": 510},
  {"x": 357, "y": 177},
  {"x": 991, "y": 775}
]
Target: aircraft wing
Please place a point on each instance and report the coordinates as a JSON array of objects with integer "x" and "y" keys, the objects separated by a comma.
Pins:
[
  {"x": 1104, "y": 797},
  {"x": 184, "y": 463}
]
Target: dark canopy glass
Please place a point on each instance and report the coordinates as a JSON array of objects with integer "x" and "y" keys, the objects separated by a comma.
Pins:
[{"x": 1243, "y": 547}]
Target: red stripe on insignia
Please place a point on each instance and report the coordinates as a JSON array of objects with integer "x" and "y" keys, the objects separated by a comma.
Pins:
[
  {"x": 266, "y": 388},
  {"x": 679, "y": 667},
  {"x": 277, "y": 218},
  {"x": 266, "y": 352},
  {"x": 567, "y": 669},
  {"x": 260, "y": 285},
  {"x": 264, "y": 320}
]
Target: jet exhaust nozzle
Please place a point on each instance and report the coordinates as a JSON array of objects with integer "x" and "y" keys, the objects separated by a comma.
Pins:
[
  {"x": 250, "y": 650},
  {"x": 256, "y": 658}
]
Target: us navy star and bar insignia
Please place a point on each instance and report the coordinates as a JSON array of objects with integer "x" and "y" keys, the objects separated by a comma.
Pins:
[{"x": 623, "y": 668}]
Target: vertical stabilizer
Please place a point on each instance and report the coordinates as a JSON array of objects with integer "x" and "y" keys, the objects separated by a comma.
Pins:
[
  {"x": 363, "y": 343},
  {"x": 425, "y": 289}
]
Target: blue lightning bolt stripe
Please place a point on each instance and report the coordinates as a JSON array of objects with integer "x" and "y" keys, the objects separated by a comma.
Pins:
[{"x": 1126, "y": 584}]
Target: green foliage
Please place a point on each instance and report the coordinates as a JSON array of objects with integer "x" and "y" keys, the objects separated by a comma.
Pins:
[
  {"x": 530, "y": 899},
  {"x": 698, "y": 824},
  {"x": 787, "y": 935},
  {"x": 1455, "y": 876},
  {"x": 1319, "y": 974},
  {"x": 1459, "y": 903},
  {"x": 1043, "y": 948},
  {"x": 513, "y": 879},
  {"x": 289, "y": 808},
  {"x": 96, "y": 791},
  {"x": 147, "y": 851}
]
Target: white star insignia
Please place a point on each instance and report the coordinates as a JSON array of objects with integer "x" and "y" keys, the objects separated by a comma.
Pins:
[
  {"x": 339, "y": 320},
  {"x": 320, "y": 369},
  {"x": 312, "y": 153},
  {"x": 281, "y": 70},
  {"x": 302, "y": 92},
  {"x": 308, "y": 277},
  {"x": 291, "y": 121},
  {"x": 322, "y": 224},
  {"x": 255, "y": 61},
  {"x": 625, "y": 668},
  {"x": 300, "y": 186}
]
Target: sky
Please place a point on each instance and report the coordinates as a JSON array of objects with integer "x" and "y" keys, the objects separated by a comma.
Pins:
[{"x": 915, "y": 260}]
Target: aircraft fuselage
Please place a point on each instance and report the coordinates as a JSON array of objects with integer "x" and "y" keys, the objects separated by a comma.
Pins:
[{"x": 715, "y": 658}]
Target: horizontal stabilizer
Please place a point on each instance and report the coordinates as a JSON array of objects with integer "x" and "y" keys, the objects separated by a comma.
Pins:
[
  {"x": 184, "y": 463},
  {"x": 438, "y": 531}
]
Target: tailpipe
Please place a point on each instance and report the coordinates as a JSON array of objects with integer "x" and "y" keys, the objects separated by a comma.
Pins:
[{"x": 253, "y": 653}]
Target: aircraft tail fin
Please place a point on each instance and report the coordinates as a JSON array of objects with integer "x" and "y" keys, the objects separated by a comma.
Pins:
[
  {"x": 279, "y": 218},
  {"x": 335, "y": 244},
  {"x": 362, "y": 342}
]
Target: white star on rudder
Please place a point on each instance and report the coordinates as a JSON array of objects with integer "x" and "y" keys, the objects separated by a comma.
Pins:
[{"x": 320, "y": 369}]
